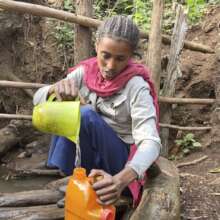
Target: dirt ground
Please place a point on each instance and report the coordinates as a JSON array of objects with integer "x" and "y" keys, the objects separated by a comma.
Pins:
[
  {"x": 31, "y": 52},
  {"x": 199, "y": 188}
]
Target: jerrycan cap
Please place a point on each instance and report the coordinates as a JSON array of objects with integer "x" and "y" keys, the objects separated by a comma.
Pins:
[
  {"x": 79, "y": 173},
  {"x": 107, "y": 214}
]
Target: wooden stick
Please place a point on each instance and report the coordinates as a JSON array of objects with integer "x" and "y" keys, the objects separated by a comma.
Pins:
[
  {"x": 176, "y": 127},
  {"x": 215, "y": 194},
  {"x": 192, "y": 162},
  {"x": 162, "y": 99},
  {"x": 30, "y": 198},
  {"x": 194, "y": 101},
  {"x": 37, "y": 172},
  {"x": 12, "y": 76},
  {"x": 15, "y": 84},
  {"x": 29, "y": 117},
  {"x": 16, "y": 116},
  {"x": 44, "y": 11}
]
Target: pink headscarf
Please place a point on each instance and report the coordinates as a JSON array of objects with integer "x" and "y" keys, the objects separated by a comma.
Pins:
[{"x": 104, "y": 88}]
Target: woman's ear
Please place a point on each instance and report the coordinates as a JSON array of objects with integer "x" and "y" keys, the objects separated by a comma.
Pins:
[{"x": 96, "y": 46}]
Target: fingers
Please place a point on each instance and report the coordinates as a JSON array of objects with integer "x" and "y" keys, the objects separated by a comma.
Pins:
[
  {"x": 108, "y": 201},
  {"x": 106, "y": 189},
  {"x": 108, "y": 195},
  {"x": 65, "y": 90},
  {"x": 57, "y": 92},
  {"x": 96, "y": 172}
]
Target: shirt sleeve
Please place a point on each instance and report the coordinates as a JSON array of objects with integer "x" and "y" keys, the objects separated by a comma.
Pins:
[
  {"x": 41, "y": 94},
  {"x": 144, "y": 130}
]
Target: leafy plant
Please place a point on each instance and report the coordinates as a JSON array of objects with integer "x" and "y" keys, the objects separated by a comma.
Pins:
[
  {"x": 142, "y": 13},
  {"x": 68, "y": 5},
  {"x": 65, "y": 35},
  {"x": 188, "y": 143},
  {"x": 64, "y": 31},
  {"x": 196, "y": 9}
]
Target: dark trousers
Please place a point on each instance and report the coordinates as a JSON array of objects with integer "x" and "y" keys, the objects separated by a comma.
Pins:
[{"x": 100, "y": 146}]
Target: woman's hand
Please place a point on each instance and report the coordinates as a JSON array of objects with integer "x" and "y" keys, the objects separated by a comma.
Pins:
[
  {"x": 65, "y": 90},
  {"x": 109, "y": 188}
]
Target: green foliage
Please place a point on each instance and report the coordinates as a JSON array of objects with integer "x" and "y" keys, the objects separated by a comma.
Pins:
[
  {"x": 64, "y": 35},
  {"x": 105, "y": 9},
  {"x": 196, "y": 9},
  {"x": 142, "y": 13},
  {"x": 188, "y": 143},
  {"x": 64, "y": 31},
  {"x": 139, "y": 10},
  {"x": 68, "y": 5}
]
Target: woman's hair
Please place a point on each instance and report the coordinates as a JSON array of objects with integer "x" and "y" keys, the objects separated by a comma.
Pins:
[{"x": 119, "y": 28}]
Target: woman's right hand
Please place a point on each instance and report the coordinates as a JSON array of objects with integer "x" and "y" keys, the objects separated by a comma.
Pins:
[{"x": 65, "y": 90}]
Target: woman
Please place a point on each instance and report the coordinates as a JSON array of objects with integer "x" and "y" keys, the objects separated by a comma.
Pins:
[{"x": 121, "y": 110}]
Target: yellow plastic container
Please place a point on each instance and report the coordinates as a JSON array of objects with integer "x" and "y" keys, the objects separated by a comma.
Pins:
[
  {"x": 59, "y": 118},
  {"x": 80, "y": 200}
]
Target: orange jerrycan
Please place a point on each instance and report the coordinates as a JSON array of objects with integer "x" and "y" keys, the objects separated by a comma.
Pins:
[{"x": 80, "y": 200}]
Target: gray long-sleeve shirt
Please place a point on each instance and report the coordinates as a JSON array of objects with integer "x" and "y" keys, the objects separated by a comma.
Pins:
[{"x": 130, "y": 112}]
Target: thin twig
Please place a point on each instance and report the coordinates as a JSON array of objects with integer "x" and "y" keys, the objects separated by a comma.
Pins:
[
  {"x": 215, "y": 194},
  {"x": 162, "y": 125},
  {"x": 192, "y": 162}
]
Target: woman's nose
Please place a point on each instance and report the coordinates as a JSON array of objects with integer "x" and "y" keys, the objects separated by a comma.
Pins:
[{"x": 111, "y": 64}]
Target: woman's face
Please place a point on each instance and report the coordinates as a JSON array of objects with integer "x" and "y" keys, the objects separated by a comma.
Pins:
[{"x": 113, "y": 56}]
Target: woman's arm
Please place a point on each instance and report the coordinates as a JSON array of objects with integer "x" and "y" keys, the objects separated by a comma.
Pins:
[
  {"x": 145, "y": 134},
  {"x": 65, "y": 89}
]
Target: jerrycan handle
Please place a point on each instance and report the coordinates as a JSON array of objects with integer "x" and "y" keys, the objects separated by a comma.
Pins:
[
  {"x": 95, "y": 179},
  {"x": 52, "y": 98}
]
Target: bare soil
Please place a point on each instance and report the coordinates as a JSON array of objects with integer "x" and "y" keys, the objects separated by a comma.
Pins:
[
  {"x": 31, "y": 53},
  {"x": 199, "y": 188}
]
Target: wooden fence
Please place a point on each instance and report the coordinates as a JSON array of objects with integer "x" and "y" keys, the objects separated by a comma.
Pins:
[{"x": 84, "y": 21}]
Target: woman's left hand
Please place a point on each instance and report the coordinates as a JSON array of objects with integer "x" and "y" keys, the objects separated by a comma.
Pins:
[{"x": 108, "y": 189}]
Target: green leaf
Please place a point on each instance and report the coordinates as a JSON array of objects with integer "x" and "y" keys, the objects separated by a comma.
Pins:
[
  {"x": 196, "y": 144},
  {"x": 178, "y": 142},
  {"x": 186, "y": 151},
  {"x": 189, "y": 136},
  {"x": 215, "y": 170}
]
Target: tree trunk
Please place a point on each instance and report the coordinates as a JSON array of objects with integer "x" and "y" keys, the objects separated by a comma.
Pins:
[
  {"x": 154, "y": 48},
  {"x": 172, "y": 74},
  {"x": 161, "y": 197},
  {"x": 82, "y": 35},
  {"x": 30, "y": 198},
  {"x": 12, "y": 134},
  {"x": 49, "y": 212}
]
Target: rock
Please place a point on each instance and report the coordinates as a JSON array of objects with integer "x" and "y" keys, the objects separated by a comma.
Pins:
[{"x": 161, "y": 196}]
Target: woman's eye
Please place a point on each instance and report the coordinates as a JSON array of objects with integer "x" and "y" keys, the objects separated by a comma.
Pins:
[
  {"x": 120, "y": 59},
  {"x": 106, "y": 56}
]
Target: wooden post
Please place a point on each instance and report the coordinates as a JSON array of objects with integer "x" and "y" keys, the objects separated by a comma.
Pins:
[
  {"x": 82, "y": 35},
  {"x": 154, "y": 48},
  {"x": 216, "y": 113},
  {"x": 172, "y": 74}
]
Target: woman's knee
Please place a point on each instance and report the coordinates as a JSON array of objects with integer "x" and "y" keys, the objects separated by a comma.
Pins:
[{"x": 88, "y": 115}]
